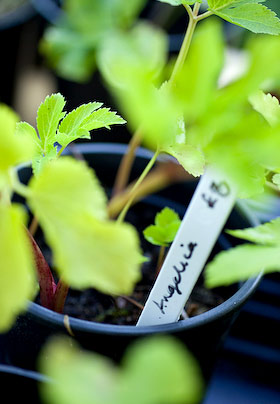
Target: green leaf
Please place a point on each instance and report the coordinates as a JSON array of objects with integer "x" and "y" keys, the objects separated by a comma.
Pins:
[
  {"x": 68, "y": 52},
  {"x": 17, "y": 275},
  {"x": 268, "y": 233},
  {"x": 49, "y": 115},
  {"x": 180, "y": 2},
  {"x": 267, "y": 105},
  {"x": 67, "y": 186},
  {"x": 190, "y": 158},
  {"x": 161, "y": 364},
  {"x": 77, "y": 374},
  {"x": 218, "y": 4},
  {"x": 197, "y": 93},
  {"x": 167, "y": 223},
  {"x": 24, "y": 129},
  {"x": 123, "y": 59},
  {"x": 276, "y": 179},
  {"x": 240, "y": 263},
  {"x": 72, "y": 126},
  {"x": 14, "y": 149},
  {"x": 79, "y": 122},
  {"x": 71, "y": 208},
  {"x": 70, "y": 46},
  {"x": 167, "y": 370},
  {"x": 247, "y": 14}
]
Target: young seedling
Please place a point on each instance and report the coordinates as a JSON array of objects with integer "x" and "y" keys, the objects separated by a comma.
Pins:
[
  {"x": 71, "y": 207},
  {"x": 163, "y": 232}
]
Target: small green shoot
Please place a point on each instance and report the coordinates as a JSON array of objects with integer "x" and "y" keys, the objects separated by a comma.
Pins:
[{"x": 163, "y": 232}]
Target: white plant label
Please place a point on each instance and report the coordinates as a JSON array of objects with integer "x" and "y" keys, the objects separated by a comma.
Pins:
[{"x": 201, "y": 226}]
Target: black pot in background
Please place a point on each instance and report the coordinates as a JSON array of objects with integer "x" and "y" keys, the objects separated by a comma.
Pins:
[
  {"x": 202, "y": 334},
  {"x": 18, "y": 35}
]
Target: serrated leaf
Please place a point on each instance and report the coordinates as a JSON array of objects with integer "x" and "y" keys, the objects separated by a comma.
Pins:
[
  {"x": 163, "y": 232},
  {"x": 162, "y": 364},
  {"x": 24, "y": 129},
  {"x": 267, "y": 105},
  {"x": 180, "y": 2},
  {"x": 218, "y": 4},
  {"x": 268, "y": 233},
  {"x": 248, "y": 14},
  {"x": 240, "y": 263},
  {"x": 78, "y": 123},
  {"x": 72, "y": 126},
  {"x": 17, "y": 274},
  {"x": 70, "y": 206},
  {"x": 49, "y": 115},
  {"x": 103, "y": 118}
]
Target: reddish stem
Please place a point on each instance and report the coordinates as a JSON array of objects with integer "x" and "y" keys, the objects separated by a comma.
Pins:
[
  {"x": 60, "y": 295},
  {"x": 45, "y": 277}
]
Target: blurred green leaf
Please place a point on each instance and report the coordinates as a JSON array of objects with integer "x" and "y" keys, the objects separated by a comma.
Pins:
[
  {"x": 71, "y": 45},
  {"x": 17, "y": 274},
  {"x": 14, "y": 149},
  {"x": 268, "y": 233},
  {"x": 267, "y": 105},
  {"x": 71, "y": 207},
  {"x": 240, "y": 263},
  {"x": 162, "y": 365},
  {"x": 126, "y": 59}
]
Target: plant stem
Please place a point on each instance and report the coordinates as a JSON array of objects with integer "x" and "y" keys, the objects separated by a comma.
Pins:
[
  {"x": 126, "y": 163},
  {"x": 123, "y": 174},
  {"x": 45, "y": 278},
  {"x": 163, "y": 175},
  {"x": 138, "y": 182},
  {"x": 33, "y": 226},
  {"x": 60, "y": 295},
  {"x": 186, "y": 43},
  {"x": 160, "y": 259},
  {"x": 204, "y": 15}
]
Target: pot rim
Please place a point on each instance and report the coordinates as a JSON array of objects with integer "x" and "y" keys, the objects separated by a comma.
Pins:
[
  {"x": 18, "y": 16},
  {"x": 225, "y": 308},
  {"x": 18, "y": 371}
]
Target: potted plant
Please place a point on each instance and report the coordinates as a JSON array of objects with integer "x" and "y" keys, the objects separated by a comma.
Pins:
[{"x": 68, "y": 202}]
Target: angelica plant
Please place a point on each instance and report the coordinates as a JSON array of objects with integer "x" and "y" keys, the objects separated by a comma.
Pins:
[{"x": 70, "y": 205}]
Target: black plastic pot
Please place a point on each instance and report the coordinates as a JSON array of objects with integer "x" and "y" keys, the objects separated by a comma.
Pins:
[
  {"x": 202, "y": 334},
  {"x": 17, "y": 383}
]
